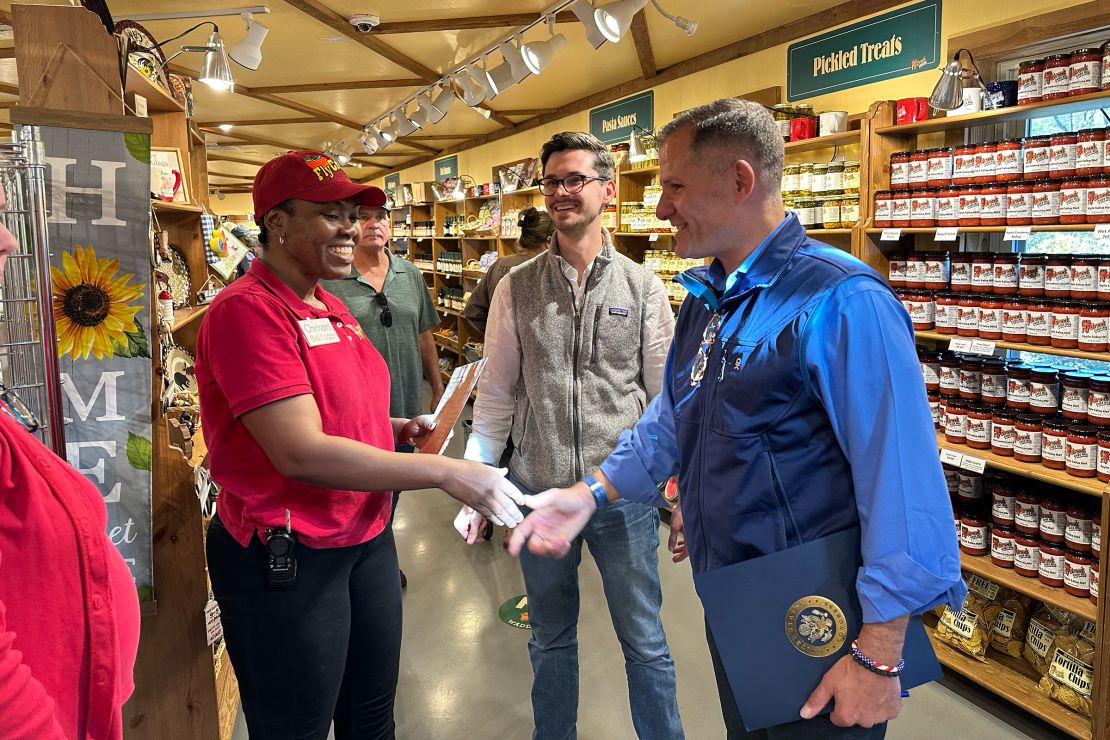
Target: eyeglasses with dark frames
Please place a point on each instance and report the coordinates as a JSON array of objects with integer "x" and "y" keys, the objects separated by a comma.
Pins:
[
  {"x": 13, "y": 405},
  {"x": 571, "y": 183},
  {"x": 384, "y": 315}
]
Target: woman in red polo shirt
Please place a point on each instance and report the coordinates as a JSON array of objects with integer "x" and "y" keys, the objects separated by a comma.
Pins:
[
  {"x": 69, "y": 612},
  {"x": 295, "y": 402}
]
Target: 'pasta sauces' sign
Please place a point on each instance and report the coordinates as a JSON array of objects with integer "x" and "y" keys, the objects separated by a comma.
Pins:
[{"x": 893, "y": 44}]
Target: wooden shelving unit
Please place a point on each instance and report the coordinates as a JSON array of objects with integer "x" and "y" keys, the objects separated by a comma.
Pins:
[
  {"x": 982, "y": 566},
  {"x": 182, "y": 317},
  {"x": 986, "y": 229},
  {"x": 1022, "y": 347},
  {"x": 1036, "y": 471},
  {"x": 818, "y": 143}
]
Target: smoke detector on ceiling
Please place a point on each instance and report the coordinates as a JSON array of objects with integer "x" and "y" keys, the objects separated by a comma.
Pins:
[{"x": 364, "y": 23}]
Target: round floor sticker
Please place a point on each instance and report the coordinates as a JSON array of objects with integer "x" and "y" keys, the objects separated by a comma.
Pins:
[{"x": 514, "y": 612}]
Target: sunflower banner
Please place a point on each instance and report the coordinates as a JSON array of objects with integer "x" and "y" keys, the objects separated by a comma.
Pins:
[{"x": 98, "y": 197}]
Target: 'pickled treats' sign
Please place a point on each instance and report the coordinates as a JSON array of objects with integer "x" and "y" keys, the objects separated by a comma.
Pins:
[
  {"x": 392, "y": 184},
  {"x": 614, "y": 123},
  {"x": 447, "y": 168},
  {"x": 893, "y": 44}
]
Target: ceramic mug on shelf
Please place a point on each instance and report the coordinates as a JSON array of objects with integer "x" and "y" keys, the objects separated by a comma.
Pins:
[
  {"x": 832, "y": 122},
  {"x": 167, "y": 184}
]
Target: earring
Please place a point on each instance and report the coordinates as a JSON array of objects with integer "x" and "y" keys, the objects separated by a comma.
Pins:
[{"x": 281, "y": 238}]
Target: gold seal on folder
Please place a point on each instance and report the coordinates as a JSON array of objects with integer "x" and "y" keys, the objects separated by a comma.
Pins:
[{"x": 816, "y": 626}]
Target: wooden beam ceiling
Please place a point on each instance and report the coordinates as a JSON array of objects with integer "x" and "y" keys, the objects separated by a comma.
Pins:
[
  {"x": 528, "y": 111},
  {"x": 441, "y": 137},
  {"x": 9, "y": 89},
  {"x": 258, "y": 122},
  {"x": 217, "y": 157},
  {"x": 232, "y": 177},
  {"x": 466, "y": 24},
  {"x": 353, "y": 85},
  {"x": 642, "y": 40}
]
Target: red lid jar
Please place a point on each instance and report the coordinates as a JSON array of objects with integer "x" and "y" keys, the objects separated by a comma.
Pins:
[
  {"x": 1051, "y": 568},
  {"x": 967, "y": 317},
  {"x": 1103, "y": 286},
  {"x": 1065, "y": 325},
  {"x": 1038, "y": 321},
  {"x": 1077, "y": 528},
  {"x": 896, "y": 270},
  {"x": 1027, "y": 555},
  {"x": 969, "y": 208},
  {"x": 971, "y": 377},
  {"x": 978, "y": 432},
  {"x": 1075, "y": 389},
  {"x": 900, "y": 170},
  {"x": 1028, "y": 440},
  {"x": 947, "y": 312},
  {"x": 883, "y": 203},
  {"x": 936, "y": 270},
  {"x": 955, "y": 421},
  {"x": 1053, "y": 454},
  {"x": 915, "y": 270},
  {"x": 992, "y": 381},
  {"x": 1002, "y": 504},
  {"x": 985, "y": 162},
  {"x": 1027, "y": 512},
  {"x": 1061, "y": 155},
  {"x": 963, "y": 165},
  {"x": 1053, "y": 519},
  {"x": 1002, "y": 546},
  {"x": 990, "y": 317},
  {"x": 948, "y": 204},
  {"x": 1019, "y": 204},
  {"x": 1046, "y": 202},
  {"x": 1031, "y": 275},
  {"x": 960, "y": 271},
  {"x": 1077, "y": 573},
  {"x": 921, "y": 308},
  {"x": 1084, "y": 278},
  {"x": 1081, "y": 451},
  {"x": 941, "y": 163},
  {"x": 1102, "y": 466},
  {"x": 1017, "y": 387},
  {"x": 1094, "y": 556},
  {"x": 1098, "y": 200},
  {"x": 1089, "y": 150},
  {"x": 1055, "y": 84},
  {"x": 1073, "y": 200},
  {"x": 935, "y": 410},
  {"x": 1094, "y": 326},
  {"x": 900, "y": 209},
  {"x": 974, "y": 531},
  {"x": 1036, "y": 158},
  {"x": 1030, "y": 81},
  {"x": 982, "y": 272},
  {"x": 1044, "y": 395},
  {"x": 1002, "y": 438},
  {"x": 1085, "y": 72},
  {"x": 1057, "y": 276},
  {"x": 1008, "y": 160},
  {"x": 992, "y": 205},
  {"x": 1013, "y": 319},
  {"x": 1098, "y": 403},
  {"x": 919, "y": 169},
  {"x": 923, "y": 208},
  {"x": 949, "y": 374}
]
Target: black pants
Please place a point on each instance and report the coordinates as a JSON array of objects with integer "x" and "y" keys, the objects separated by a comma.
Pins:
[
  {"x": 327, "y": 647},
  {"x": 819, "y": 727}
]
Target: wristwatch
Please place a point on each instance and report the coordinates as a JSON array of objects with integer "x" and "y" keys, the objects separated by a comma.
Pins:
[{"x": 597, "y": 488}]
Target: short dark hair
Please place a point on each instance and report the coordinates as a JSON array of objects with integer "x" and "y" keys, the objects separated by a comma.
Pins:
[
  {"x": 536, "y": 227},
  {"x": 286, "y": 206},
  {"x": 735, "y": 126},
  {"x": 579, "y": 141}
]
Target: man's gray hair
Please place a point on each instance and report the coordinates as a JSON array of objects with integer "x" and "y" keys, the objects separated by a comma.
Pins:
[{"x": 739, "y": 127}]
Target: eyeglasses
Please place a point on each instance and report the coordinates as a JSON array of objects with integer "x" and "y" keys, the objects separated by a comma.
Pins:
[
  {"x": 384, "y": 315},
  {"x": 570, "y": 183},
  {"x": 13, "y": 405},
  {"x": 708, "y": 337}
]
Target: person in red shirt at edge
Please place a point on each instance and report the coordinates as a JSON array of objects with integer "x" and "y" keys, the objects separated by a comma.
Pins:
[
  {"x": 295, "y": 402},
  {"x": 69, "y": 612}
]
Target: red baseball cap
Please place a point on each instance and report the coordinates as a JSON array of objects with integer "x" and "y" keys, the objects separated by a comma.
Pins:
[{"x": 312, "y": 176}]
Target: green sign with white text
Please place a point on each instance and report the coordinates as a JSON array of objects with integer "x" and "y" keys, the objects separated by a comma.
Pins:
[
  {"x": 613, "y": 123},
  {"x": 514, "y": 612},
  {"x": 392, "y": 184},
  {"x": 447, "y": 168},
  {"x": 901, "y": 42}
]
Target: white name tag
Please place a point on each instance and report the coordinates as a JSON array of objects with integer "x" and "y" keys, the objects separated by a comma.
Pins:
[{"x": 318, "y": 331}]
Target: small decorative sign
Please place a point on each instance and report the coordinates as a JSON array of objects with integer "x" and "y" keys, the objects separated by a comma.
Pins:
[
  {"x": 1017, "y": 233},
  {"x": 890, "y": 235},
  {"x": 615, "y": 122},
  {"x": 947, "y": 234}
]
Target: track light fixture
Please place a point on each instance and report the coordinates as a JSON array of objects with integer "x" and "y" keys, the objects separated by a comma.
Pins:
[
  {"x": 538, "y": 54},
  {"x": 248, "y": 51},
  {"x": 615, "y": 18},
  {"x": 214, "y": 69},
  {"x": 584, "y": 11}
]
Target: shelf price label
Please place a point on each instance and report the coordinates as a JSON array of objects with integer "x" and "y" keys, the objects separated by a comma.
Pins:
[
  {"x": 947, "y": 234},
  {"x": 1017, "y": 233},
  {"x": 982, "y": 347},
  {"x": 1102, "y": 230},
  {"x": 890, "y": 235},
  {"x": 951, "y": 457},
  {"x": 974, "y": 464},
  {"x": 960, "y": 345},
  {"x": 654, "y": 236}
]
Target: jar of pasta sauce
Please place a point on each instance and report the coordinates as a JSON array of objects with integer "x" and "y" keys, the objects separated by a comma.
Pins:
[
  {"x": 1053, "y": 519},
  {"x": 1036, "y": 150},
  {"x": 960, "y": 271},
  {"x": 936, "y": 270},
  {"x": 1027, "y": 555},
  {"x": 1054, "y": 440},
  {"x": 955, "y": 421},
  {"x": 915, "y": 270},
  {"x": 963, "y": 165},
  {"x": 1065, "y": 325},
  {"x": 1028, "y": 439},
  {"x": 1094, "y": 326},
  {"x": 1050, "y": 572},
  {"x": 900, "y": 209},
  {"x": 1098, "y": 403},
  {"x": 900, "y": 171},
  {"x": 967, "y": 316},
  {"x": 883, "y": 203},
  {"x": 1089, "y": 148},
  {"x": 1085, "y": 72},
  {"x": 992, "y": 205},
  {"x": 1077, "y": 573},
  {"x": 1102, "y": 467},
  {"x": 990, "y": 317},
  {"x": 971, "y": 377},
  {"x": 982, "y": 272},
  {"x": 1038, "y": 321},
  {"x": 970, "y": 209},
  {"x": 974, "y": 534},
  {"x": 921, "y": 308},
  {"x": 992, "y": 384},
  {"x": 1103, "y": 287},
  {"x": 1073, "y": 201},
  {"x": 1061, "y": 155},
  {"x": 1075, "y": 389},
  {"x": 948, "y": 202},
  {"x": 1055, "y": 84},
  {"x": 1027, "y": 511},
  {"x": 1018, "y": 377},
  {"x": 923, "y": 204},
  {"x": 1002, "y": 503},
  {"x": 986, "y": 164},
  {"x": 1030, "y": 81},
  {"x": 1002, "y": 546},
  {"x": 1013, "y": 319},
  {"x": 896, "y": 270},
  {"x": 1031, "y": 275},
  {"x": 1002, "y": 439},
  {"x": 1081, "y": 451},
  {"x": 1098, "y": 200},
  {"x": 919, "y": 169},
  {"x": 947, "y": 312},
  {"x": 1084, "y": 277},
  {"x": 1077, "y": 528},
  {"x": 949, "y": 374},
  {"x": 1057, "y": 276},
  {"x": 941, "y": 163},
  {"x": 978, "y": 432},
  {"x": 1008, "y": 160},
  {"x": 1044, "y": 392},
  {"x": 1019, "y": 204},
  {"x": 1046, "y": 202}
]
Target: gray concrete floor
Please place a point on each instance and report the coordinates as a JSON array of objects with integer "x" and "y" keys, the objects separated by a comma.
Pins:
[{"x": 465, "y": 674}]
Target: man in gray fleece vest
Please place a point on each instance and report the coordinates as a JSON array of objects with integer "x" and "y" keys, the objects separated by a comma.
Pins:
[{"x": 576, "y": 342}]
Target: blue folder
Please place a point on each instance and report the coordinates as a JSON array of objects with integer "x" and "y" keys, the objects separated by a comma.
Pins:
[{"x": 780, "y": 622}]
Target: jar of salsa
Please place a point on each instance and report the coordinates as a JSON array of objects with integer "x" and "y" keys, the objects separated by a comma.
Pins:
[
  {"x": 919, "y": 169},
  {"x": 1046, "y": 202},
  {"x": 1008, "y": 160},
  {"x": 992, "y": 381},
  {"x": 1013, "y": 319},
  {"x": 941, "y": 163},
  {"x": 923, "y": 204},
  {"x": 948, "y": 202},
  {"x": 915, "y": 270},
  {"x": 1002, "y": 439},
  {"x": 921, "y": 308},
  {"x": 1019, "y": 204},
  {"x": 971, "y": 377},
  {"x": 1053, "y": 453},
  {"x": 1081, "y": 451},
  {"x": 1075, "y": 389},
  {"x": 1018, "y": 378},
  {"x": 1028, "y": 440},
  {"x": 900, "y": 209},
  {"x": 1061, "y": 155},
  {"x": 1085, "y": 72},
  {"x": 1094, "y": 326},
  {"x": 1098, "y": 200},
  {"x": 960, "y": 272},
  {"x": 1038, "y": 321},
  {"x": 1103, "y": 286},
  {"x": 1065, "y": 325},
  {"x": 990, "y": 317},
  {"x": 1098, "y": 403},
  {"x": 1031, "y": 275},
  {"x": 883, "y": 202},
  {"x": 936, "y": 270},
  {"x": 1077, "y": 573},
  {"x": 982, "y": 273},
  {"x": 1030, "y": 81},
  {"x": 967, "y": 317},
  {"x": 1051, "y": 568},
  {"x": 1084, "y": 277},
  {"x": 1077, "y": 528},
  {"x": 1036, "y": 157},
  {"x": 1002, "y": 546},
  {"x": 1053, "y": 519},
  {"x": 900, "y": 170},
  {"x": 974, "y": 530},
  {"x": 992, "y": 205},
  {"x": 1027, "y": 555},
  {"x": 1102, "y": 467},
  {"x": 896, "y": 269},
  {"x": 1027, "y": 511},
  {"x": 947, "y": 312},
  {"x": 1002, "y": 503},
  {"x": 1096, "y": 533},
  {"x": 1055, "y": 84},
  {"x": 963, "y": 165},
  {"x": 978, "y": 432},
  {"x": 969, "y": 209},
  {"x": 1089, "y": 148},
  {"x": 1094, "y": 574},
  {"x": 955, "y": 421},
  {"x": 949, "y": 374},
  {"x": 1057, "y": 276},
  {"x": 934, "y": 409},
  {"x": 985, "y": 162},
  {"x": 1044, "y": 392},
  {"x": 1073, "y": 201}
]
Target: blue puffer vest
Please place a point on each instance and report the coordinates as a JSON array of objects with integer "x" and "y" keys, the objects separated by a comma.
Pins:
[{"x": 761, "y": 468}]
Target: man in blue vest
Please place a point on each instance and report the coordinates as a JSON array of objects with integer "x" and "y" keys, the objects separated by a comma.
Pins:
[{"x": 780, "y": 413}]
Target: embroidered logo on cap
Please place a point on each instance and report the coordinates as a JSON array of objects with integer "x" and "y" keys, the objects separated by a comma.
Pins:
[
  {"x": 322, "y": 165},
  {"x": 618, "y": 311}
]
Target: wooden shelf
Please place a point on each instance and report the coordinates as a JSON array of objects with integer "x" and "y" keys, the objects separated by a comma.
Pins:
[
  {"x": 200, "y": 448},
  {"x": 653, "y": 170},
  {"x": 452, "y": 311},
  {"x": 447, "y": 343},
  {"x": 480, "y": 238},
  {"x": 167, "y": 206},
  {"x": 1036, "y": 471},
  {"x": 1009, "y": 578},
  {"x": 675, "y": 304},
  {"x": 189, "y": 314},
  {"x": 491, "y": 196},
  {"x": 521, "y": 191},
  {"x": 1045, "y": 109},
  {"x": 659, "y": 234},
  {"x": 828, "y": 232},
  {"x": 822, "y": 142},
  {"x": 447, "y": 238},
  {"x": 1014, "y": 680},
  {"x": 987, "y": 229},
  {"x": 473, "y": 274},
  {"x": 157, "y": 99},
  {"x": 1022, "y": 347}
]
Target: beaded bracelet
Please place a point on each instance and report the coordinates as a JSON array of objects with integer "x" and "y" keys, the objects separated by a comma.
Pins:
[{"x": 879, "y": 668}]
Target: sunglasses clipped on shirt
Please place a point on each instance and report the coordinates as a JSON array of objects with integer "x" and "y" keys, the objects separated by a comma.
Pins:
[
  {"x": 13, "y": 406},
  {"x": 384, "y": 315}
]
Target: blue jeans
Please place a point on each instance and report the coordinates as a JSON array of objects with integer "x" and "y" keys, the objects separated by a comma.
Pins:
[{"x": 624, "y": 539}]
